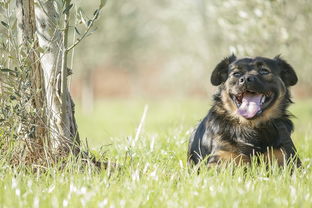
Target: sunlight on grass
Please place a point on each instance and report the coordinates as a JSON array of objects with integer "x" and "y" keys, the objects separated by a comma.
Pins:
[
  {"x": 153, "y": 171},
  {"x": 113, "y": 119}
]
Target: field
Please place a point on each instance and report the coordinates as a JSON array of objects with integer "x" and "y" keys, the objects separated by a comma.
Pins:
[{"x": 153, "y": 170}]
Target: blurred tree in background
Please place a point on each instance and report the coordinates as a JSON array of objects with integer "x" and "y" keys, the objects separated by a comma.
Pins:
[{"x": 166, "y": 47}]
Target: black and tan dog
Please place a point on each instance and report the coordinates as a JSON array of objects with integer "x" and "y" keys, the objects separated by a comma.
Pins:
[{"x": 249, "y": 116}]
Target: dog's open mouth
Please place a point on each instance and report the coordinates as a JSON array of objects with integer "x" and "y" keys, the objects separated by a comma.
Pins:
[{"x": 252, "y": 104}]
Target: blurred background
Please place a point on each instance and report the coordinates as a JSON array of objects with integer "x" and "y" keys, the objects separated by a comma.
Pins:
[{"x": 163, "y": 50}]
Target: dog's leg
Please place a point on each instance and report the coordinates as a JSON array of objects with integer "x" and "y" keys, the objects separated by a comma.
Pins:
[
  {"x": 287, "y": 144},
  {"x": 277, "y": 154},
  {"x": 221, "y": 156}
]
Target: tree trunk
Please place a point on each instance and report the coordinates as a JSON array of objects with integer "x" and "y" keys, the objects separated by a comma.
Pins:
[
  {"x": 52, "y": 36},
  {"x": 26, "y": 38},
  {"x": 39, "y": 19}
]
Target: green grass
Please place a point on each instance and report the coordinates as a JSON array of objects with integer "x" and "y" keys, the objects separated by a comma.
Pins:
[{"x": 153, "y": 171}]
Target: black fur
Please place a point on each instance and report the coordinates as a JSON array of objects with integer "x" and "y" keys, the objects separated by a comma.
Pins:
[
  {"x": 220, "y": 73},
  {"x": 288, "y": 74},
  {"x": 241, "y": 138}
]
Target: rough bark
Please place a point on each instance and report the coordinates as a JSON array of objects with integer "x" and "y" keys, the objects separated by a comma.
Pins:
[
  {"x": 26, "y": 37},
  {"x": 39, "y": 20},
  {"x": 52, "y": 36}
]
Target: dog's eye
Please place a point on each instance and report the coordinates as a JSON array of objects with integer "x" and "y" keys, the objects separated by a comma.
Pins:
[
  {"x": 264, "y": 71},
  {"x": 237, "y": 74}
]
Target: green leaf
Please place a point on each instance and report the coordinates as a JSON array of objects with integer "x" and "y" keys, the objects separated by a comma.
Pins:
[
  {"x": 89, "y": 22},
  {"x": 66, "y": 10},
  {"x": 77, "y": 31},
  {"x": 5, "y": 24},
  {"x": 12, "y": 97},
  {"x": 82, "y": 18},
  {"x": 6, "y": 70},
  {"x": 9, "y": 70},
  {"x": 96, "y": 14}
]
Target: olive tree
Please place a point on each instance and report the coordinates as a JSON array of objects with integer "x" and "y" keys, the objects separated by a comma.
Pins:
[{"x": 34, "y": 84}]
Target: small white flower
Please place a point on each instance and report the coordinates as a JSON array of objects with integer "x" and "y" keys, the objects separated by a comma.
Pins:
[
  {"x": 243, "y": 14},
  {"x": 29, "y": 184},
  {"x": 36, "y": 202},
  {"x": 122, "y": 203},
  {"x": 14, "y": 183},
  {"x": 65, "y": 203},
  {"x": 258, "y": 12},
  {"x": 181, "y": 164},
  {"x": 18, "y": 192},
  {"x": 51, "y": 188},
  {"x": 82, "y": 191},
  {"x": 103, "y": 203}
]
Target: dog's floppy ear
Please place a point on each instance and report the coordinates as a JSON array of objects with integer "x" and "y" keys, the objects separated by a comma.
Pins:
[
  {"x": 288, "y": 74},
  {"x": 220, "y": 73}
]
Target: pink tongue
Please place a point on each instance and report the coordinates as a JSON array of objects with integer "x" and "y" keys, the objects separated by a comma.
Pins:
[{"x": 250, "y": 105}]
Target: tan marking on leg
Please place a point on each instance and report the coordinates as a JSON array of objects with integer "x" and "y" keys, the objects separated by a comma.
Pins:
[
  {"x": 238, "y": 159},
  {"x": 277, "y": 155}
]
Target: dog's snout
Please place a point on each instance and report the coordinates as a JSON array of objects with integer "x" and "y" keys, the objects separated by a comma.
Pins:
[
  {"x": 250, "y": 78},
  {"x": 246, "y": 79}
]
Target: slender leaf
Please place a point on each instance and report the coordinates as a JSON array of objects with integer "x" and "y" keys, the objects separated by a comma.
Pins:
[
  {"x": 6, "y": 70},
  {"x": 89, "y": 22},
  {"x": 83, "y": 19},
  {"x": 95, "y": 12},
  {"x": 77, "y": 31},
  {"x": 5, "y": 24},
  {"x": 66, "y": 10},
  {"x": 9, "y": 70}
]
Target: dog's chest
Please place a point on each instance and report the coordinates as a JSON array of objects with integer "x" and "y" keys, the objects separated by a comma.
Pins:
[{"x": 256, "y": 140}]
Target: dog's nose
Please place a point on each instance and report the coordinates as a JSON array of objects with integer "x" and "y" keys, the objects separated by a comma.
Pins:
[
  {"x": 242, "y": 80},
  {"x": 250, "y": 78},
  {"x": 246, "y": 79}
]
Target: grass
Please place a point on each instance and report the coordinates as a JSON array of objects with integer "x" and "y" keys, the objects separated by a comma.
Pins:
[{"x": 154, "y": 172}]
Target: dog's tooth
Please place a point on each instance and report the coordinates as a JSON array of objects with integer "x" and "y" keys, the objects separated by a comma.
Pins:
[{"x": 262, "y": 99}]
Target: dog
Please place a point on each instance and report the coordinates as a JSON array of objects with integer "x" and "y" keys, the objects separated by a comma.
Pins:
[{"x": 248, "y": 119}]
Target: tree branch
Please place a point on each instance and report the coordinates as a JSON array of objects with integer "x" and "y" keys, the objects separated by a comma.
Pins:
[
  {"x": 64, "y": 89},
  {"x": 87, "y": 30}
]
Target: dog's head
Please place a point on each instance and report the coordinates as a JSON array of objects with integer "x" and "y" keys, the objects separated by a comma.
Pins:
[{"x": 254, "y": 89}]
